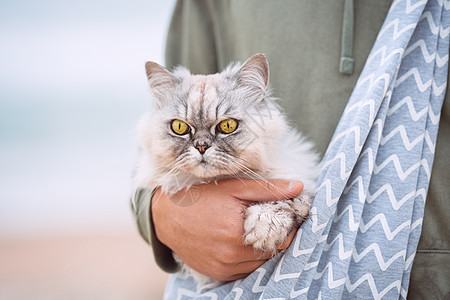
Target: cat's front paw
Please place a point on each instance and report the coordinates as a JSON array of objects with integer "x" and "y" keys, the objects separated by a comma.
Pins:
[{"x": 267, "y": 225}]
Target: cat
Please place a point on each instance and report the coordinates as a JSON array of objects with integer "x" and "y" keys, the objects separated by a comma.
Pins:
[{"x": 204, "y": 128}]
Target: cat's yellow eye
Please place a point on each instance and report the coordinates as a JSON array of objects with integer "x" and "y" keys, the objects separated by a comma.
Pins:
[
  {"x": 180, "y": 127},
  {"x": 227, "y": 126}
]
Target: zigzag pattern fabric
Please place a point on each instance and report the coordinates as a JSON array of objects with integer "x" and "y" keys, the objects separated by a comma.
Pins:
[{"x": 366, "y": 219}]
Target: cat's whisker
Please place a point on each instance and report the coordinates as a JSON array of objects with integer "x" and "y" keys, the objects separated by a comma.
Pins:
[
  {"x": 177, "y": 167},
  {"x": 185, "y": 182},
  {"x": 178, "y": 164},
  {"x": 172, "y": 173},
  {"x": 242, "y": 159},
  {"x": 253, "y": 175},
  {"x": 249, "y": 172},
  {"x": 268, "y": 185},
  {"x": 232, "y": 172},
  {"x": 257, "y": 176}
]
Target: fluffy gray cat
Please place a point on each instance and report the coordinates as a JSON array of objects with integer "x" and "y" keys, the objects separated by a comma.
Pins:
[{"x": 205, "y": 128}]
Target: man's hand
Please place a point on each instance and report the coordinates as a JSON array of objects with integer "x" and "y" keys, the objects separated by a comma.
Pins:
[{"x": 204, "y": 225}]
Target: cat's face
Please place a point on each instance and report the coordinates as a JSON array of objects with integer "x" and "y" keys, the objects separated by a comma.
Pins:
[{"x": 208, "y": 126}]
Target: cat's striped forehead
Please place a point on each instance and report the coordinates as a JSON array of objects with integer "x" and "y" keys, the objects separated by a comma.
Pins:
[{"x": 204, "y": 99}]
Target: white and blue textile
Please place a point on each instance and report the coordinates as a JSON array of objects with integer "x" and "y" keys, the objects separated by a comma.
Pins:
[{"x": 366, "y": 219}]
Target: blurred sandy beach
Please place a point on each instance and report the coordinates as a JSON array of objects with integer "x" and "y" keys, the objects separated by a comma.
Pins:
[{"x": 79, "y": 267}]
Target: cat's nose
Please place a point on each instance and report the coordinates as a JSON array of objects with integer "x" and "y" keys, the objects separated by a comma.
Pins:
[{"x": 201, "y": 147}]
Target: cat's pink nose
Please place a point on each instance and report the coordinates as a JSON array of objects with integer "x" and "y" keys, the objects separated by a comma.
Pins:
[{"x": 201, "y": 147}]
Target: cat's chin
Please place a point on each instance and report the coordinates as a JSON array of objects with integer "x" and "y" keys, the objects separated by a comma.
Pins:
[{"x": 205, "y": 171}]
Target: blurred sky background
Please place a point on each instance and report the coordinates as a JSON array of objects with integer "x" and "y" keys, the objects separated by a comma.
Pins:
[{"x": 72, "y": 87}]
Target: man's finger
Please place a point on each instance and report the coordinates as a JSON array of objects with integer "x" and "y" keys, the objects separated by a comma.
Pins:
[
  {"x": 264, "y": 190},
  {"x": 249, "y": 266}
]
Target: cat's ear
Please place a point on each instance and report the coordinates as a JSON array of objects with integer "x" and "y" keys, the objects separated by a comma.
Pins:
[
  {"x": 160, "y": 80},
  {"x": 255, "y": 72}
]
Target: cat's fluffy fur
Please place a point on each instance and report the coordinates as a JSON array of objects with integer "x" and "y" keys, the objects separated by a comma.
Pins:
[{"x": 263, "y": 146}]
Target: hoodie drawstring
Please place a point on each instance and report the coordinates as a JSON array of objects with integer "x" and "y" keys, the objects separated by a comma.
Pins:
[{"x": 347, "y": 61}]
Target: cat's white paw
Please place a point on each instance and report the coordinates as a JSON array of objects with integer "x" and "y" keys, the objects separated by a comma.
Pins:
[{"x": 267, "y": 225}]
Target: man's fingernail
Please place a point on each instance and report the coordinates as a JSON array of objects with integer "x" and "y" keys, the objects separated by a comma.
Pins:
[{"x": 293, "y": 185}]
